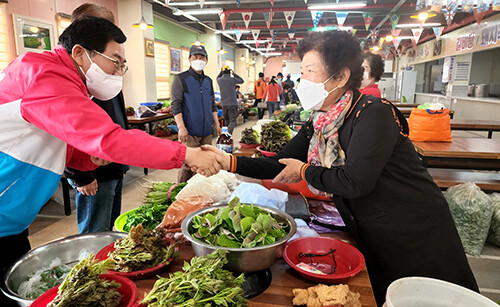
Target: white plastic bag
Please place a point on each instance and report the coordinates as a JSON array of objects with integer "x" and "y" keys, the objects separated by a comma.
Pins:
[
  {"x": 217, "y": 187},
  {"x": 257, "y": 194},
  {"x": 303, "y": 230}
]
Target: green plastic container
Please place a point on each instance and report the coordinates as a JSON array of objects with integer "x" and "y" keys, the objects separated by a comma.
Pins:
[{"x": 122, "y": 220}]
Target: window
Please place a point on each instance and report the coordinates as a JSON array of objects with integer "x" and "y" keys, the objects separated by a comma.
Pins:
[
  {"x": 162, "y": 65},
  {"x": 4, "y": 38}
]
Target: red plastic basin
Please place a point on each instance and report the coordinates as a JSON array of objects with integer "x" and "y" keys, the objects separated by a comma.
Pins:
[
  {"x": 349, "y": 260},
  {"x": 128, "y": 290}
]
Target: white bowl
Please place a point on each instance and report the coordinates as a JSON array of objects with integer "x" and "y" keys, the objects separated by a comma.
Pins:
[{"x": 430, "y": 292}]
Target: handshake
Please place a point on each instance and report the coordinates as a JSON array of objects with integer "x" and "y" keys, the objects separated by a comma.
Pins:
[{"x": 207, "y": 160}]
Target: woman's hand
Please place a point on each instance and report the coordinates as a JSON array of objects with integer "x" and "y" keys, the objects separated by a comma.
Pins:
[
  {"x": 222, "y": 158},
  {"x": 291, "y": 173}
]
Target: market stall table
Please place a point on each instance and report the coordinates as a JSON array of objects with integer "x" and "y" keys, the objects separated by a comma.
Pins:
[
  {"x": 402, "y": 104},
  {"x": 476, "y": 125},
  {"x": 463, "y": 153},
  {"x": 284, "y": 279}
]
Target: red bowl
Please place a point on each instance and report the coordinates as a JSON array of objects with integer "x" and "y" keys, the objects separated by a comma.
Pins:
[
  {"x": 349, "y": 260},
  {"x": 266, "y": 153},
  {"x": 294, "y": 188},
  {"x": 103, "y": 255},
  {"x": 249, "y": 145},
  {"x": 128, "y": 290}
]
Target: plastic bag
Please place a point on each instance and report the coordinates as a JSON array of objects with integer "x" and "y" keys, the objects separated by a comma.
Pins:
[
  {"x": 428, "y": 125},
  {"x": 256, "y": 194},
  {"x": 217, "y": 187},
  {"x": 143, "y": 111},
  {"x": 43, "y": 280},
  {"x": 179, "y": 209},
  {"x": 323, "y": 215},
  {"x": 471, "y": 209},
  {"x": 494, "y": 233},
  {"x": 303, "y": 230}
]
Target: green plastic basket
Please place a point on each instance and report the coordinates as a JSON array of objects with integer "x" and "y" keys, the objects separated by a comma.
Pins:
[{"x": 122, "y": 220}]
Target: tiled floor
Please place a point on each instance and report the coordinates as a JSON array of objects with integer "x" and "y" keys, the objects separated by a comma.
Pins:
[{"x": 51, "y": 223}]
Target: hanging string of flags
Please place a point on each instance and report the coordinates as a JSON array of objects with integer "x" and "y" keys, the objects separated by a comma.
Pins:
[
  {"x": 438, "y": 31},
  {"x": 289, "y": 18},
  {"x": 341, "y": 17},
  {"x": 247, "y": 16},
  {"x": 223, "y": 19},
  {"x": 291, "y": 33},
  {"x": 316, "y": 16},
  {"x": 368, "y": 18},
  {"x": 394, "y": 19}
]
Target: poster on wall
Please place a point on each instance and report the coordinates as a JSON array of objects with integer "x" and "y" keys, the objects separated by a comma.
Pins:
[
  {"x": 32, "y": 34},
  {"x": 175, "y": 61},
  {"x": 185, "y": 59}
]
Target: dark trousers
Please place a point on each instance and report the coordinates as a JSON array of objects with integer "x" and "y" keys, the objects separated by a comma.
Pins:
[
  {"x": 193, "y": 141},
  {"x": 261, "y": 110},
  {"x": 230, "y": 115},
  {"x": 15, "y": 247}
]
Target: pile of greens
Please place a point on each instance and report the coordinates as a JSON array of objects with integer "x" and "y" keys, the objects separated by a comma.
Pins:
[
  {"x": 83, "y": 287},
  {"x": 203, "y": 282},
  {"x": 152, "y": 212},
  {"x": 238, "y": 226},
  {"x": 249, "y": 136},
  {"x": 274, "y": 136},
  {"x": 141, "y": 249}
]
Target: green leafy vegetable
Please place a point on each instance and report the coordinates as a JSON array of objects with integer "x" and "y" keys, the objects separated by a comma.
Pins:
[
  {"x": 83, "y": 287},
  {"x": 238, "y": 226},
  {"x": 141, "y": 249},
  {"x": 275, "y": 135},
  {"x": 201, "y": 283},
  {"x": 249, "y": 136}
]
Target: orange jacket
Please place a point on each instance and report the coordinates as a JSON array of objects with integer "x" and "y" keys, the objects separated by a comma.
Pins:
[
  {"x": 259, "y": 88},
  {"x": 272, "y": 92}
]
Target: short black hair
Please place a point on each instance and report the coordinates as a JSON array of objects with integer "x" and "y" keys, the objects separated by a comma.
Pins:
[
  {"x": 280, "y": 74},
  {"x": 376, "y": 63},
  {"x": 261, "y": 75},
  {"x": 339, "y": 50},
  {"x": 237, "y": 86},
  {"x": 92, "y": 33},
  {"x": 286, "y": 86}
]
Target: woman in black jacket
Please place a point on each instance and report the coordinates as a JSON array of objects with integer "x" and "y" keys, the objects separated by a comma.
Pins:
[{"x": 356, "y": 150}]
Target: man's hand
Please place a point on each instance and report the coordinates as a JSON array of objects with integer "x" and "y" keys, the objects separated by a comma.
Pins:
[
  {"x": 89, "y": 189},
  {"x": 291, "y": 173},
  {"x": 201, "y": 161},
  {"x": 218, "y": 130},
  {"x": 99, "y": 161},
  {"x": 223, "y": 158},
  {"x": 183, "y": 134}
]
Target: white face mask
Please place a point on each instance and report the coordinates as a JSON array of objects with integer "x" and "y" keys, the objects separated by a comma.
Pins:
[
  {"x": 101, "y": 85},
  {"x": 366, "y": 80},
  {"x": 312, "y": 95},
  {"x": 198, "y": 65}
]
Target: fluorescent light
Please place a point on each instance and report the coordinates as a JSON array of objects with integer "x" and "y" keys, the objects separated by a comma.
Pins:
[
  {"x": 345, "y": 28},
  {"x": 232, "y": 32},
  {"x": 273, "y": 54},
  {"x": 416, "y": 25},
  {"x": 211, "y": 11},
  {"x": 336, "y": 6},
  {"x": 265, "y": 49},
  {"x": 251, "y": 41},
  {"x": 403, "y": 37}
]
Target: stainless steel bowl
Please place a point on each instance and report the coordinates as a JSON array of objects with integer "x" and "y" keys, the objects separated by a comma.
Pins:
[
  {"x": 244, "y": 259},
  {"x": 67, "y": 249}
]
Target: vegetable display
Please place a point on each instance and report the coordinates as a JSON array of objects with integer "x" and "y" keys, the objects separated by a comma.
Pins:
[
  {"x": 158, "y": 200},
  {"x": 202, "y": 282},
  {"x": 141, "y": 249},
  {"x": 274, "y": 136},
  {"x": 83, "y": 287},
  {"x": 238, "y": 226},
  {"x": 249, "y": 136}
]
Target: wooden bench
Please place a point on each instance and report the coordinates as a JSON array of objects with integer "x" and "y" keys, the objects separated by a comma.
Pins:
[{"x": 446, "y": 178}]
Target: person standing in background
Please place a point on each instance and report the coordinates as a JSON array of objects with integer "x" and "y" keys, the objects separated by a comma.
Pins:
[
  {"x": 279, "y": 79},
  {"x": 258, "y": 89},
  {"x": 374, "y": 69},
  {"x": 227, "y": 80},
  {"x": 272, "y": 96},
  {"x": 99, "y": 192},
  {"x": 288, "y": 81},
  {"x": 239, "y": 95},
  {"x": 193, "y": 106},
  {"x": 289, "y": 94}
]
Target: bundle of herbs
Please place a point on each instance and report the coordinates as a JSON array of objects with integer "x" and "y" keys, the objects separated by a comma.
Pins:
[
  {"x": 202, "y": 282},
  {"x": 238, "y": 226},
  {"x": 83, "y": 287},
  {"x": 249, "y": 136},
  {"x": 141, "y": 249},
  {"x": 158, "y": 200},
  {"x": 275, "y": 135}
]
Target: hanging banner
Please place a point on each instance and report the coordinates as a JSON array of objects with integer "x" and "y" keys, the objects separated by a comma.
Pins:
[
  {"x": 316, "y": 16},
  {"x": 420, "y": 5},
  {"x": 305, "y": 1},
  {"x": 467, "y": 5},
  {"x": 395, "y": 32},
  {"x": 284, "y": 44},
  {"x": 294, "y": 47},
  {"x": 255, "y": 34},
  {"x": 483, "y": 5},
  {"x": 436, "y": 5},
  {"x": 374, "y": 1},
  {"x": 272, "y": 2},
  {"x": 238, "y": 3},
  {"x": 291, "y": 33},
  {"x": 394, "y": 18},
  {"x": 387, "y": 51},
  {"x": 247, "y": 16},
  {"x": 374, "y": 33},
  {"x": 202, "y": 2},
  {"x": 362, "y": 43},
  {"x": 223, "y": 19},
  {"x": 268, "y": 17},
  {"x": 271, "y": 33},
  {"x": 289, "y": 18},
  {"x": 238, "y": 34},
  {"x": 275, "y": 32},
  {"x": 416, "y": 34},
  {"x": 452, "y": 6},
  {"x": 368, "y": 18},
  {"x": 438, "y": 31},
  {"x": 395, "y": 41},
  {"x": 381, "y": 42},
  {"x": 495, "y": 4},
  {"x": 479, "y": 16},
  {"x": 414, "y": 43},
  {"x": 449, "y": 17},
  {"x": 341, "y": 16},
  {"x": 353, "y": 31}
]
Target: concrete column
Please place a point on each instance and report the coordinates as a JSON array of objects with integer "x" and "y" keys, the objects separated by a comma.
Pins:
[
  {"x": 139, "y": 84},
  {"x": 241, "y": 67}
]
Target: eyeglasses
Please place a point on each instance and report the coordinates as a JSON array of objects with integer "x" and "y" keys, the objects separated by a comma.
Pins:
[
  {"x": 321, "y": 261},
  {"x": 121, "y": 68}
]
